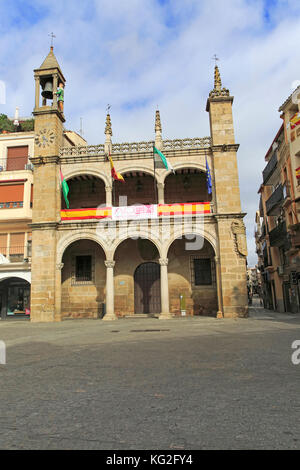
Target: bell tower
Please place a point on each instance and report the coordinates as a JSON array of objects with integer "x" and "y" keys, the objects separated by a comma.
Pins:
[
  {"x": 232, "y": 246},
  {"x": 49, "y": 120}
]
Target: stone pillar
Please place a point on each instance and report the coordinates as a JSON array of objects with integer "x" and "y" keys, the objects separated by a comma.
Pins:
[
  {"x": 219, "y": 287},
  {"x": 37, "y": 91},
  {"x": 164, "y": 288},
  {"x": 55, "y": 85},
  {"x": 160, "y": 191},
  {"x": 110, "y": 311},
  {"x": 57, "y": 311},
  {"x": 108, "y": 190}
]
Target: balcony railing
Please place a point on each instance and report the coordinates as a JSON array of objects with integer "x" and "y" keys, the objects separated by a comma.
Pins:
[
  {"x": 11, "y": 205},
  {"x": 278, "y": 236},
  {"x": 15, "y": 163},
  {"x": 274, "y": 201},
  {"x": 269, "y": 169},
  {"x": 15, "y": 254}
]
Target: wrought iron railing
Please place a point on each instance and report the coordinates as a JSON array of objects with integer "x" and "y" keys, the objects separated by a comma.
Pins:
[
  {"x": 269, "y": 169},
  {"x": 278, "y": 235},
  {"x": 15, "y": 163},
  {"x": 11, "y": 205},
  {"x": 274, "y": 200}
]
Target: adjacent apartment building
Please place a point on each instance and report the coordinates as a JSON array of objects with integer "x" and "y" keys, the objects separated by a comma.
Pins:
[
  {"x": 277, "y": 220},
  {"x": 16, "y": 202}
]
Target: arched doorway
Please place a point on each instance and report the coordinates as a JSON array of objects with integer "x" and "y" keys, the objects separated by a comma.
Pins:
[
  {"x": 83, "y": 280},
  {"x": 192, "y": 276},
  {"x": 147, "y": 289},
  {"x": 134, "y": 260},
  {"x": 14, "y": 298}
]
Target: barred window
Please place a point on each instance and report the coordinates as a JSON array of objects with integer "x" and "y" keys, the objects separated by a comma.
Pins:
[
  {"x": 202, "y": 272},
  {"x": 83, "y": 268}
]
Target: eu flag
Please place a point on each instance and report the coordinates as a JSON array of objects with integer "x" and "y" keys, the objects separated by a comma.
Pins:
[{"x": 208, "y": 178}]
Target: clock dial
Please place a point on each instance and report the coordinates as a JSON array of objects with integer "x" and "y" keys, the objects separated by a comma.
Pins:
[{"x": 44, "y": 138}]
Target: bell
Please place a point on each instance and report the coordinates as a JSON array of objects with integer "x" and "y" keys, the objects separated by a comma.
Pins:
[{"x": 48, "y": 91}]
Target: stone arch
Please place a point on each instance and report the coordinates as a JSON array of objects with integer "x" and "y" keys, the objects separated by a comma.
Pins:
[
  {"x": 142, "y": 168},
  {"x": 180, "y": 166},
  {"x": 180, "y": 232},
  {"x": 134, "y": 234},
  {"x": 97, "y": 173},
  {"x": 22, "y": 276},
  {"x": 66, "y": 241}
]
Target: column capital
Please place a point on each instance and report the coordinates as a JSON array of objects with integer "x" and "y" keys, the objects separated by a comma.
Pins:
[
  {"x": 109, "y": 263},
  {"x": 59, "y": 266},
  {"x": 217, "y": 259},
  {"x": 108, "y": 189},
  {"x": 163, "y": 261}
]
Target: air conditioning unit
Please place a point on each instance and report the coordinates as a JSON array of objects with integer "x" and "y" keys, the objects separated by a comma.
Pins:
[
  {"x": 280, "y": 270},
  {"x": 29, "y": 166}
]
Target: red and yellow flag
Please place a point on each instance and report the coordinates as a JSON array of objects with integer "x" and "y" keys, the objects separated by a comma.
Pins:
[
  {"x": 298, "y": 172},
  {"x": 115, "y": 175}
]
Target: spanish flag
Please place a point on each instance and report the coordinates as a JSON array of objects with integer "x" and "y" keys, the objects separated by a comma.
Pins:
[
  {"x": 115, "y": 175},
  {"x": 298, "y": 172}
]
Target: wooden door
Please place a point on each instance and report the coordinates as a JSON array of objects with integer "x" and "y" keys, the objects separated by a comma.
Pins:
[{"x": 147, "y": 288}]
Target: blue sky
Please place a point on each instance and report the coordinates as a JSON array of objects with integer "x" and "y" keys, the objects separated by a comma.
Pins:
[{"x": 138, "y": 54}]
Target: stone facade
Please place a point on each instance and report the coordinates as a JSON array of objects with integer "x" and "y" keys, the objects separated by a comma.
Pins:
[{"x": 165, "y": 265}]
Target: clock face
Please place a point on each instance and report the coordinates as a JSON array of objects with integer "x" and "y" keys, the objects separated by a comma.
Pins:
[{"x": 44, "y": 138}]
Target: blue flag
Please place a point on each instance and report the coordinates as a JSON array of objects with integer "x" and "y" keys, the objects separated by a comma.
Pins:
[{"x": 208, "y": 178}]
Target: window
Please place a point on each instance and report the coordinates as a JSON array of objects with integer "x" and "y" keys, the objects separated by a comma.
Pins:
[
  {"x": 83, "y": 266},
  {"x": 17, "y": 158},
  {"x": 202, "y": 272}
]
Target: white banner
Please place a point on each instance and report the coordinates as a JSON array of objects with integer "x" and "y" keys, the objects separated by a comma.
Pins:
[{"x": 134, "y": 212}]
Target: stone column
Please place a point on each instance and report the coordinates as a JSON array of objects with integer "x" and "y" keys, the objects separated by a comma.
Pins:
[
  {"x": 55, "y": 85},
  {"x": 219, "y": 287},
  {"x": 108, "y": 190},
  {"x": 57, "y": 312},
  {"x": 164, "y": 288},
  {"x": 110, "y": 311},
  {"x": 37, "y": 91},
  {"x": 160, "y": 191}
]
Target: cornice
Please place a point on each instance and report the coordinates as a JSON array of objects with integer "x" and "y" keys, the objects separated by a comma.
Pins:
[
  {"x": 44, "y": 225},
  {"x": 225, "y": 148},
  {"x": 42, "y": 160}
]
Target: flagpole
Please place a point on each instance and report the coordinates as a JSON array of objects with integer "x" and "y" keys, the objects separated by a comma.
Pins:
[{"x": 155, "y": 182}]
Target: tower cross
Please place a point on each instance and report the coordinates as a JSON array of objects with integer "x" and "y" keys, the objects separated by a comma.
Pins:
[
  {"x": 215, "y": 58},
  {"x": 52, "y": 35}
]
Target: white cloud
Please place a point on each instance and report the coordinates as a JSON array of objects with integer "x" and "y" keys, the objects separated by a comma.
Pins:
[{"x": 138, "y": 54}]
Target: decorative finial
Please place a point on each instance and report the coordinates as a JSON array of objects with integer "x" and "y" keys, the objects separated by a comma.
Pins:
[
  {"x": 108, "y": 122},
  {"x": 218, "y": 81},
  {"x": 218, "y": 90},
  {"x": 157, "y": 122},
  {"x": 158, "y": 130},
  {"x": 52, "y": 37}
]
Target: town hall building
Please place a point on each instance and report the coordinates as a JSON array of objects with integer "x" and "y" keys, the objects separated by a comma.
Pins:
[{"x": 160, "y": 243}]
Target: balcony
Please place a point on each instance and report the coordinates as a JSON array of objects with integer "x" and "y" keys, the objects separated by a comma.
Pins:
[
  {"x": 15, "y": 164},
  {"x": 15, "y": 254},
  {"x": 274, "y": 202},
  {"x": 278, "y": 236},
  {"x": 270, "y": 177}
]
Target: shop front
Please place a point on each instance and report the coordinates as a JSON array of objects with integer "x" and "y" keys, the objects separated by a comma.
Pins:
[{"x": 14, "y": 298}]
